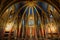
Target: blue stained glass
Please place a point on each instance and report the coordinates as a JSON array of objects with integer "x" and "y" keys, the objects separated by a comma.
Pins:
[
  {"x": 23, "y": 22},
  {"x": 27, "y": 12},
  {"x": 30, "y": 10},
  {"x": 43, "y": 5},
  {"x": 38, "y": 22},
  {"x": 34, "y": 11},
  {"x": 17, "y": 6}
]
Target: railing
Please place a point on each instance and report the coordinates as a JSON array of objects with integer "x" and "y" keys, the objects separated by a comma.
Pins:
[{"x": 10, "y": 36}]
